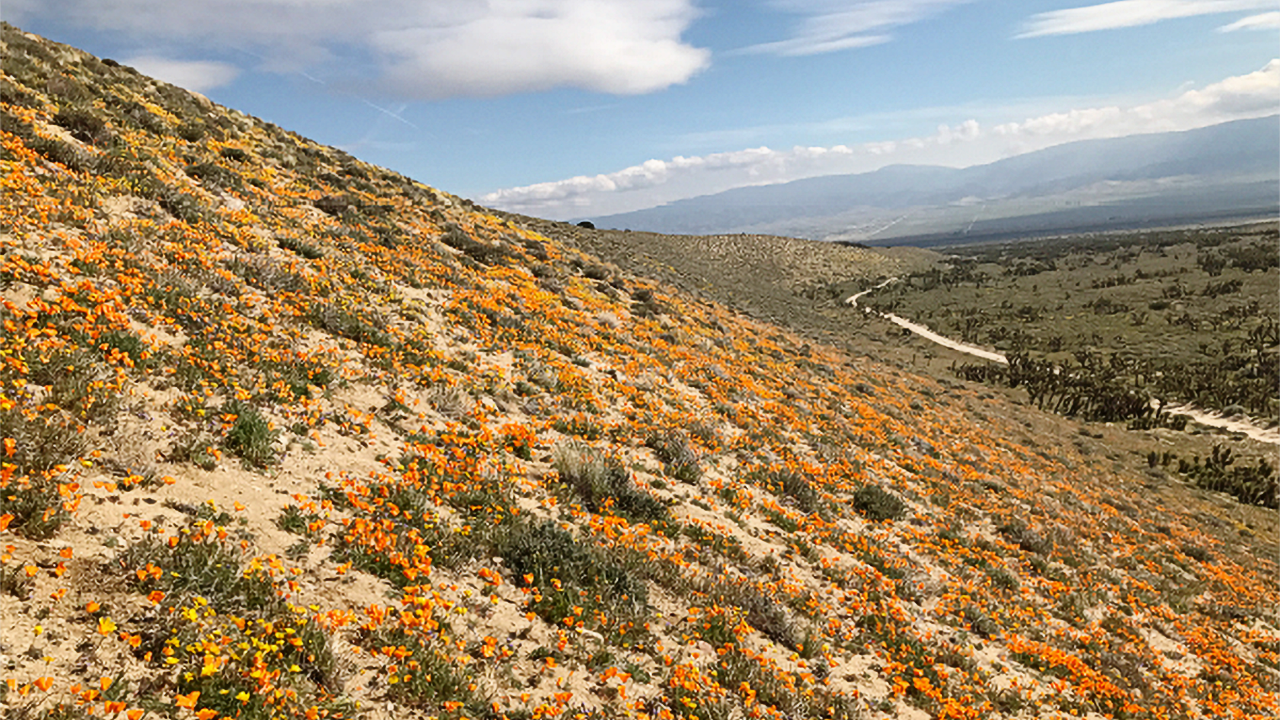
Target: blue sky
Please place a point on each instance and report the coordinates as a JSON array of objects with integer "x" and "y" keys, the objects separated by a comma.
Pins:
[{"x": 573, "y": 108}]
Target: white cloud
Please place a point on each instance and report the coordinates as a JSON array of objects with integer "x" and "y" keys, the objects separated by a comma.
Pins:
[
  {"x": 1261, "y": 21},
  {"x": 1257, "y": 93},
  {"x": 422, "y": 49},
  {"x": 1130, "y": 13},
  {"x": 655, "y": 182},
  {"x": 831, "y": 25},
  {"x": 616, "y": 47},
  {"x": 196, "y": 75}
]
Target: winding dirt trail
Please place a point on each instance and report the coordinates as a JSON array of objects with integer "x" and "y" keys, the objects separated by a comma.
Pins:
[
  {"x": 1241, "y": 424},
  {"x": 925, "y": 332}
]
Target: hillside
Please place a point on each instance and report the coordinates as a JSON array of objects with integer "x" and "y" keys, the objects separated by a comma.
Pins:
[
  {"x": 1158, "y": 179},
  {"x": 288, "y": 435},
  {"x": 788, "y": 281}
]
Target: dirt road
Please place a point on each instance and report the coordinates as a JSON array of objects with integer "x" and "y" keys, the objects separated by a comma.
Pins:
[{"x": 1245, "y": 425}]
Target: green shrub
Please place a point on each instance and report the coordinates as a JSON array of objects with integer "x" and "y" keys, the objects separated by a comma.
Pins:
[
  {"x": 41, "y": 444},
  {"x": 275, "y": 277},
  {"x": 197, "y": 568},
  {"x": 180, "y": 205},
  {"x": 457, "y": 238},
  {"x": 979, "y": 622},
  {"x": 127, "y": 343},
  {"x": 542, "y": 552},
  {"x": 199, "y": 564},
  {"x": 214, "y": 176},
  {"x": 137, "y": 114},
  {"x": 1196, "y": 553},
  {"x": 797, "y": 487},
  {"x": 65, "y": 154},
  {"x": 1002, "y": 578},
  {"x": 345, "y": 323},
  {"x": 579, "y": 425},
  {"x": 11, "y": 94},
  {"x": 36, "y": 507},
  {"x": 15, "y": 582},
  {"x": 251, "y": 436},
  {"x": 192, "y": 131},
  {"x": 306, "y": 250},
  {"x": 782, "y": 693},
  {"x": 333, "y": 205},
  {"x": 782, "y": 521},
  {"x": 645, "y": 304},
  {"x": 196, "y": 448},
  {"x": 762, "y": 612},
  {"x": 603, "y": 482},
  {"x": 1020, "y": 534},
  {"x": 294, "y": 379},
  {"x": 83, "y": 124},
  {"x": 293, "y": 519},
  {"x": 427, "y": 677},
  {"x": 878, "y": 505}
]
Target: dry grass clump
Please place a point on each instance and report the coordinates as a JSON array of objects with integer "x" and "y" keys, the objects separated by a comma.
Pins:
[
  {"x": 603, "y": 483},
  {"x": 678, "y": 457}
]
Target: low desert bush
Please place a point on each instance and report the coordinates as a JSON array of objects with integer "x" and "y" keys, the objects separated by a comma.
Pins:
[
  {"x": 678, "y": 458},
  {"x": 876, "y": 504},
  {"x": 1020, "y": 534},
  {"x": 83, "y": 124},
  {"x": 602, "y": 482},
  {"x": 251, "y": 436},
  {"x": 573, "y": 579}
]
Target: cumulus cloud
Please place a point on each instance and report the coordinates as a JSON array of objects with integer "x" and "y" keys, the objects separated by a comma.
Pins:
[
  {"x": 421, "y": 49},
  {"x": 622, "y": 48},
  {"x": 831, "y": 25},
  {"x": 1129, "y": 13},
  {"x": 197, "y": 75},
  {"x": 1255, "y": 94},
  {"x": 655, "y": 182}
]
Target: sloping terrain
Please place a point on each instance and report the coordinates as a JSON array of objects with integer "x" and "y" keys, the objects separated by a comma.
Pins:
[
  {"x": 286, "y": 435},
  {"x": 798, "y": 283}
]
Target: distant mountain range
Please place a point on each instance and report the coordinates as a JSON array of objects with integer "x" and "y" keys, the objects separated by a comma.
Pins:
[{"x": 1226, "y": 170}]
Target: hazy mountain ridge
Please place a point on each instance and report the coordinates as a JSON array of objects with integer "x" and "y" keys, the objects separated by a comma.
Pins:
[
  {"x": 286, "y": 435},
  {"x": 1219, "y": 157}
]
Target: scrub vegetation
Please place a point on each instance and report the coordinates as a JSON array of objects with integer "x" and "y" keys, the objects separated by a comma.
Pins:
[{"x": 1120, "y": 328}]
